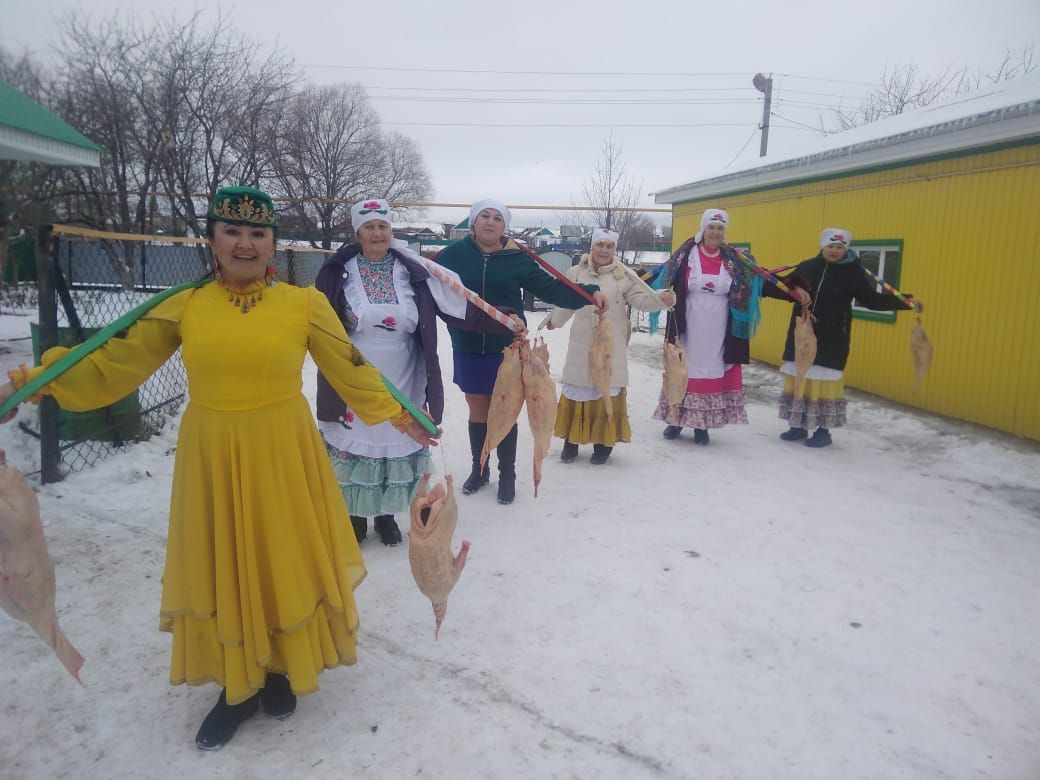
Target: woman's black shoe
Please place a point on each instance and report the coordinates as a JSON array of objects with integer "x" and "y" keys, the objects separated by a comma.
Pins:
[
  {"x": 569, "y": 452},
  {"x": 700, "y": 436},
  {"x": 820, "y": 438},
  {"x": 794, "y": 434},
  {"x": 277, "y": 697},
  {"x": 476, "y": 479},
  {"x": 600, "y": 453},
  {"x": 672, "y": 432},
  {"x": 389, "y": 533},
  {"x": 222, "y": 722},
  {"x": 360, "y": 527}
]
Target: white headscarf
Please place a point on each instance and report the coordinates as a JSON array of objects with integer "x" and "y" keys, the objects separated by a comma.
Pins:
[
  {"x": 711, "y": 215},
  {"x": 368, "y": 209},
  {"x": 489, "y": 203},
  {"x": 603, "y": 234}
]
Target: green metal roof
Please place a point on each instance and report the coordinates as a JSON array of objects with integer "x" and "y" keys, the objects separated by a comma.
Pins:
[{"x": 28, "y": 131}]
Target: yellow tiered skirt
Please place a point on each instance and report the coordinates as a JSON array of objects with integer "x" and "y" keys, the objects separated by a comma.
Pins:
[
  {"x": 585, "y": 422},
  {"x": 261, "y": 561}
]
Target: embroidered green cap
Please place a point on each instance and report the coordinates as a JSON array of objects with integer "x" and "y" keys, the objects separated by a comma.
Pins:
[{"x": 243, "y": 206}]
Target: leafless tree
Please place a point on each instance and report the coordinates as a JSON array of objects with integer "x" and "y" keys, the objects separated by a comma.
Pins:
[
  {"x": 181, "y": 108},
  {"x": 331, "y": 150},
  {"x": 905, "y": 87},
  {"x": 99, "y": 93},
  {"x": 640, "y": 230},
  {"x": 218, "y": 98},
  {"x": 612, "y": 193}
]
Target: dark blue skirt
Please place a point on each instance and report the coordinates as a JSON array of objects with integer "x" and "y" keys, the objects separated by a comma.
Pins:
[{"x": 475, "y": 374}]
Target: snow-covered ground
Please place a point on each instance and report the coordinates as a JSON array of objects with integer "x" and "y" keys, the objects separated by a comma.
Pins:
[{"x": 753, "y": 610}]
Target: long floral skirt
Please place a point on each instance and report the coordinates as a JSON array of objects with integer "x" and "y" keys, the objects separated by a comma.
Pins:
[
  {"x": 709, "y": 403},
  {"x": 585, "y": 422},
  {"x": 822, "y": 404}
]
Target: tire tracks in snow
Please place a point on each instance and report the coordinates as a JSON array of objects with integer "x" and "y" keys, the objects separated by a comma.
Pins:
[{"x": 492, "y": 690}]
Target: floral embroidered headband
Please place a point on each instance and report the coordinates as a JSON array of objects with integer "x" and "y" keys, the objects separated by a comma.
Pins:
[{"x": 243, "y": 206}]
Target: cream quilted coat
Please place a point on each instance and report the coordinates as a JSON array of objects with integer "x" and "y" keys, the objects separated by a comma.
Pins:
[{"x": 623, "y": 289}]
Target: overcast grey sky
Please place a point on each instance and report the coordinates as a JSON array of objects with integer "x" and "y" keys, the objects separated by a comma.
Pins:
[{"x": 685, "y": 63}]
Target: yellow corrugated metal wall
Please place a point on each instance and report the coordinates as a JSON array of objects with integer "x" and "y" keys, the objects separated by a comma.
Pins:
[{"x": 970, "y": 227}]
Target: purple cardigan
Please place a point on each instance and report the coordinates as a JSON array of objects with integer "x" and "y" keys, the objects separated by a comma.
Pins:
[{"x": 330, "y": 282}]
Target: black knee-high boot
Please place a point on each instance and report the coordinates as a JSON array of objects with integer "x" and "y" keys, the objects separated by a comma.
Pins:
[
  {"x": 477, "y": 478},
  {"x": 507, "y": 468}
]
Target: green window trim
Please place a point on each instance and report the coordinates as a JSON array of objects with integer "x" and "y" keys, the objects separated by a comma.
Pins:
[{"x": 884, "y": 257}]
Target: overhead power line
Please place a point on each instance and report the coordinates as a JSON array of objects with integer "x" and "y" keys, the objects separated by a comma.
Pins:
[
  {"x": 611, "y": 90},
  {"x": 569, "y": 124},
  {"x": 520, "y": 72},
  {"x": 802, "y": 124},
  {"x": 566, "y": 101},
  {"x": 564, "y": 89},
  {"x": 497, "y": 72}
]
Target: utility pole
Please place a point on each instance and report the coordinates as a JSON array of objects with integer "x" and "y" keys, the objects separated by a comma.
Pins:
[{"x": 765, "y": 86}]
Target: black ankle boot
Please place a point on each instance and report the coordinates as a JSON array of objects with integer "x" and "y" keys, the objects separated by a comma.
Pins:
[
  {"x": 569, "y": 452},
  {"x": 389, "y": 533},
  {"x": 820, "y": 438},
  {"x": 507, "y": 468},
  {"x": 360, "y": 527},
  {"x": 277, "y": 697},
  {"x": 222, "y": 722},
  {"x": 477, "y": 477},
  {"x": 672, "y": 431},
  {"x": 700, "y": 436},
  {"x": 600, "y": 453}
]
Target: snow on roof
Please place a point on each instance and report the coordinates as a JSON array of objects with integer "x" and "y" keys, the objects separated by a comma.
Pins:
[{"x": 1005, "y": 112}]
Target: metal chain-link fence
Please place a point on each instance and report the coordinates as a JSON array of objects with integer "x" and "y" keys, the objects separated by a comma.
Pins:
[{"x": 88, "y": 279}]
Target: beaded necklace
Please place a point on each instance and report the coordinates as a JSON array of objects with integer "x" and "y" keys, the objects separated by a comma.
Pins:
[{"x": 246, "y": 300}]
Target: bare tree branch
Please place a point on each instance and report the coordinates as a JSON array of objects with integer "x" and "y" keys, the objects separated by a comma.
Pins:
[
  {"x": 904, "y": 87},
  {"x": 329, "y": 149}
]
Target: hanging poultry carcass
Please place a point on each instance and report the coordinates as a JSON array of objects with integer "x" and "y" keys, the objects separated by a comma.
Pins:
[
  {"x": 601, "y": 362},
  {"x": 541, "y": 349},
  {"x": 434, "y": 516},
  {"x": 507, "y": 398},
  {"x": 920, "y": 352},
  {"x": 804, "y": 349},
  {"x": 26, "y": 568},
  {"x": 676, "y": 375},
  {"x": 540, "y": 396}
]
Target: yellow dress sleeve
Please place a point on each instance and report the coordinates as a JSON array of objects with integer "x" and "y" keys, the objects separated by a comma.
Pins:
[
  {"x": 359, "y": 384},
  {"x": 112, "y": 371}
]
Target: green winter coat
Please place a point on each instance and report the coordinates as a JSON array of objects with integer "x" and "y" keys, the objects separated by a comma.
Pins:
[{"x": 499, "y": 278}]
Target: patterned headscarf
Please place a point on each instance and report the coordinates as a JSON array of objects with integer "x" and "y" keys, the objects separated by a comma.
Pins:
[{"x": 744, "y": 291}]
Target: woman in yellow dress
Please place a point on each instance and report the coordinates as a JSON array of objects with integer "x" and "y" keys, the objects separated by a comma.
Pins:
[{"x": 261, "y": 560}]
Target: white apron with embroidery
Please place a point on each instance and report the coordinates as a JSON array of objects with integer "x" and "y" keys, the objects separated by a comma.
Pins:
[
  {"x": 707, "y": 316},
  {"x": 385, "y": 336}
]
